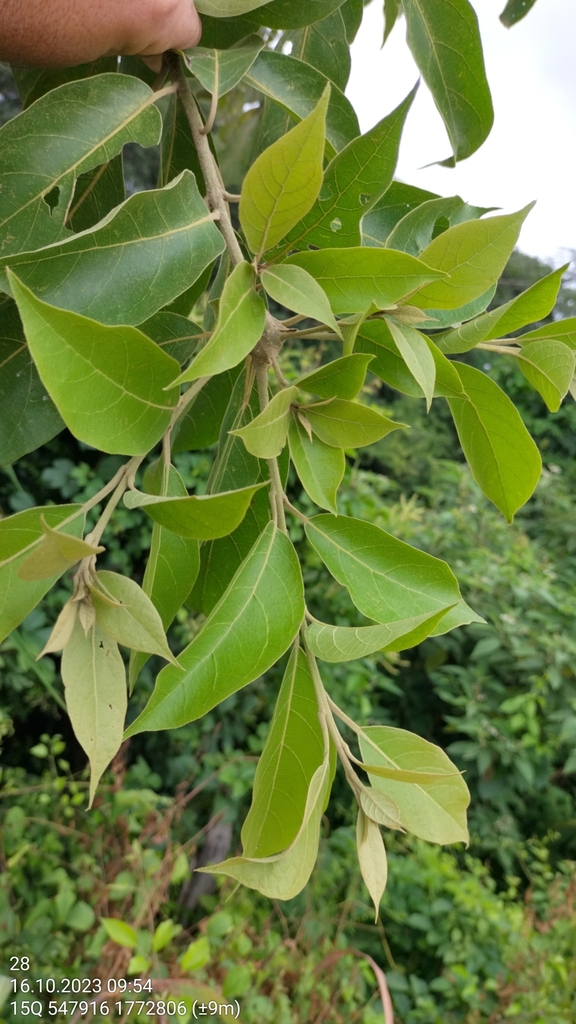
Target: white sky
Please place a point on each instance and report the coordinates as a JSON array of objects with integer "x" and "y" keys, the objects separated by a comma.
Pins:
[{"x": 531, "y": 151}]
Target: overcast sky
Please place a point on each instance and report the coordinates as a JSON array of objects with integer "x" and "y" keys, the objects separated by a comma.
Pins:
[{"x": 531, "y": 151}]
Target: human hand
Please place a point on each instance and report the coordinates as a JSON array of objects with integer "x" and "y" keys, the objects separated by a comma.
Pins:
[{"x": 63, "y": 33}]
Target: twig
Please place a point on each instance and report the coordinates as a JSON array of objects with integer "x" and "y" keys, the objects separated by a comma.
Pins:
[{"x": 276, "y": 489}]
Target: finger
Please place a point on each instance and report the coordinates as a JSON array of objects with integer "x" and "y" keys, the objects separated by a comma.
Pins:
[{"x": 180, "y": 30}]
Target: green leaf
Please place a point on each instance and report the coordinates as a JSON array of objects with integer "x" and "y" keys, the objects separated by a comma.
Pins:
[
  {"x": 286, "y": 14},
  {"x": 353, "y": 183},
  {"x": 298, "y": 88},
  {"x": 344, "y": 643},
  {"x": 345, "y": 424},
  {"x": 96, "y": 193},
  {"x": 528, "y": 307},
  {"x": 177, "y": 149},
  {"x": 416, "y": 354},
  {"x": 240, "y": 323},
  {"x": 379, "y": 808},
  {"x": 197, "y": 954},
  {"x": 199, "y": 427},
  {"x": 139, "y": 258},
  {"x": 75, "y": 128},
  {"x": 439, "y": 318},
  {"x": 392, "y": 10},
  {"x": 252, "y": 625},
  {"x": 19, "y": 535},
  {"x": 176, "y": 335},
  {"x": 95, "y": 689},
  {"x": 502, "y": 456},
  {"x": 295, "y": 289},
  {"x": 473, "y": 255},
  {"x": 515, "y": 10},
  {"x": 414, "y": 232},
  {"x": 355, "y": 278},
  {"x": 445, "y": 43},
  {"x": 120, "y": 932},
  {"x": 387, "y": 579},
  {"x": 127, "y": 614},
  {"x": 562, "y": 330},
  {"x": 293, "y": 752},
  {"x": 57, "y": 552},
  {"x": 319, "y": 466},
  {"x": 374, "y": 337},
  {"x": 28, "y": 418},
  {"x": 372, "y": 858},
  {"x": 164, "y": 933},
  {"x": 266, "y": 435},
  {"x": 434, "y": 811},
  {"x": 62, "y": 630},
  {"x": 108, "y": 383},
  {"x": 324, "y": 46},
  {"x": 219, "y": 71},
  {"x": 227, "y": 8},
  {"x": 549, "y": 366},
  {"x": 341, "y": 378},
  {"x": 284, "y": 181},
  {"x": 398, "y": 200},
  {"x": 200, "y": 517}
]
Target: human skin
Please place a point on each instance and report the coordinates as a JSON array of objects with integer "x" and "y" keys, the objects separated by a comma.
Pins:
[{"x": 63, "y": 33}]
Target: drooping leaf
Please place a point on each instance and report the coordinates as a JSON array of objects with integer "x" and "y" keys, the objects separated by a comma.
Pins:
[
  {"x": 240, "y": 323},
  {"x": 433, "y": 811},
  {"x": 341, "y": 378},
  {"x": 387, "y": 579},
  {"x": 57, "y": 552},
  {"x": 293, "y": 752},
  {"x": 319, "y": 466},
  {"x": 294, "y": 288},
  {"x": 355, "y": 278},
  {"x": 127, "y": 614},
  {"x": 19, "y": 535},
  {"x": 345, "y": 424},
  {"x": 75, "y": 127},
  {"x": 445, "y": 42},
  {"x": 345, "y": 643},
  {"x": 473, "y": 255},
  {"x": 28, "y": 417},
  {"x": 252, "y": 625},
  {"x": 108, "y": 383},
  {"x": 502, "y": 456},
  {"x": 95, "y": 688},
  {"x": 374, "y": 338},
  {"x": 62, "y": 630},
  {"x": 532, "y": 305},
  {"x": 284, "y": 181},
  {"x": 219, "y": 71},
  {"x": 266, "y": 435},
  {"x": 415, "y": 352},
  {"x": 200, "y": 517},
  {"x": 372, "y": 858},
  {"x": 353, "y": 183},
  {"x": 549, "y": 366},
  {"x": 380, "y": 808},
  {"x": 139, "y": 258},
  {"x": 298, "y": 88}
]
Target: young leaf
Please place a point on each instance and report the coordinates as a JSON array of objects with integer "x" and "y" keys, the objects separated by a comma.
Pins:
[
  {"x": 345, "y": 643},
  {"x": 549, "y": 366},
  {"x": 219, "y": 71},
  {"x": 355, "y": 278},
  {"x": 297, "y": 290},
  {"x": 74, "y": 128},
  {"x": 293, "y": 752},
  {"x": 502, "y": 456},
  {"x": 57, "y": 552},
  {"x": 136, "y": 260},
  {"x": 265, "y": 436},
  {"x": 20, "y": 534},
  {"x": 241, "y": 317},
  {"x": 372, "y": 858},
  {"x": 252, "y": 625},
  {"x": 414, "y": 350},
  {"x": 284, "y": 181},
  {"x": 106, "y": 382},
  {"x": 127, "y": 614},
  {"x": 345, "y": 424},
  {"x": 199, "y": 517},
  {"x": 473, "y": 255},
  {"x": 387, "y": 579},
  {"x": 433, "y": 811},
  {"x": 95, "y": 689},
  {"x": 380, "y": 807},
  {"x": 532, "y": 305},
  {"x": 62, "y": 630},
  {"x": 319, "y": 466},
  {"x": 341, "y": 378},
  {"x": 445, "y": 43},
  {"x": 28, "y": 418}
]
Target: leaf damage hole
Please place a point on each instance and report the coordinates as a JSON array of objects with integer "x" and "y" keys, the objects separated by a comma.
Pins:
[{"x": 52, "y": 198}]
